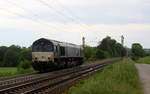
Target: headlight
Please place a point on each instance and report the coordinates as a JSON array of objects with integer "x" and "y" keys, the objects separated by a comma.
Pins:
[{"x": 35, "y": 58}]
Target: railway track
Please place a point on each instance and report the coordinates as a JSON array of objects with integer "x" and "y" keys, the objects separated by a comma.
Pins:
[
  {"x": 53, "y": 82},
  {"x": 16, "y": 76}
]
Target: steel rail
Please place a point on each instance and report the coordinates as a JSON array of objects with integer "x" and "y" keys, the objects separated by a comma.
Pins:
[
  {"x": 51, "y": 86},
  {"x": 50, "y": 82}
]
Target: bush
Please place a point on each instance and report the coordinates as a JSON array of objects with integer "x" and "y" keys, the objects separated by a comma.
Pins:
[
  {"x": 24, "y": 66},
  {"x": 100, "y": 54},
  {"x": 137, "y": 50},
  {"x": 134, "y": 58},
  {"x": 89, "y": 53}
]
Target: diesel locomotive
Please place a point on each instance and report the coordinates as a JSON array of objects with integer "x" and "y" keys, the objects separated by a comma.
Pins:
[{"x": 49, "y": 55}]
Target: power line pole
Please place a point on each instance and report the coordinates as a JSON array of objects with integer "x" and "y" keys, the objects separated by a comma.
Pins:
[
  {"x": 83, "y": 42},
  {"x": 122, "y": 40},
  {"x": 83, "y": 46}
]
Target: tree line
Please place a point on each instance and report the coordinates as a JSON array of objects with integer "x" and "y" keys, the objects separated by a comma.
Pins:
[
  {"x": 11, "y": 56},
  {"x": 107, "y": 48}
]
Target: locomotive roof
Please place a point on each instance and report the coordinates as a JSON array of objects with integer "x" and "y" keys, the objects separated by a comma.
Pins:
[{"x": 65, "y": 44}]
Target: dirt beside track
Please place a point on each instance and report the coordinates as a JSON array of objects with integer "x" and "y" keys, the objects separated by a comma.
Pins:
[{"x": 144, "y": 73}]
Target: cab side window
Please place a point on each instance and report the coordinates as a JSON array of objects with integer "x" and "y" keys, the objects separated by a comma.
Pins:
[{"x": 62, "y": 51}]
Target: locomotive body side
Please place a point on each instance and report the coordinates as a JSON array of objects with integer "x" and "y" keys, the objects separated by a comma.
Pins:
[{"x": 49, "y": 55}]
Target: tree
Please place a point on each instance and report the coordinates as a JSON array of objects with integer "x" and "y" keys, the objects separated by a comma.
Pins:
[
  {"x": 111, "y": 47},
  {"x": 25, "y": 54},
  {"x": 108, "y": 45},
  {"x": 15, "y": 48},
  {"x": 104, "y": 45},
  {"x": 89, "y": 52},
  {"x": 3, "y": 49},
  {"x": 2, "y": 52},
  {"x": 11, "y": 56},
  {"x": 137, "y": 51},
  {"x": 121, "y": 51},
  {"x": 112, "y": 44},
  {"x": 100, "y": 54}
]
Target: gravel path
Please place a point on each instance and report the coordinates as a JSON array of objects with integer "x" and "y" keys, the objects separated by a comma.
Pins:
[{"x": 144, "y": 73}]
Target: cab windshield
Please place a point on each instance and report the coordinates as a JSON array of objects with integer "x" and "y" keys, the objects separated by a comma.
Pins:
[{"x": 42, "y": 47}]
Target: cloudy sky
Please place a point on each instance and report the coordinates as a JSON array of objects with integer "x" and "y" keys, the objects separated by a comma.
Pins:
[{"x": 24, "y": 21}]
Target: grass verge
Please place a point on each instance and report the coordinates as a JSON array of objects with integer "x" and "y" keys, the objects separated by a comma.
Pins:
[
  {"x": 119, "y": 78},
  {"x": 144, "y": 60},
  {"x": 11, "y": 71},
  {"x": 4, "y": 72}
]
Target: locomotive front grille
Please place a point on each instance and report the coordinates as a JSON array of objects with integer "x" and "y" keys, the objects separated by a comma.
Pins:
[{"x": 42, "y": 56}]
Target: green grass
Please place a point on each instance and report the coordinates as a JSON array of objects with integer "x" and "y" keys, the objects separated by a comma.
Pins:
[
  {"x": 10, "y": 71},
  {"x": 7, "y": 71},
  {"x": 119, "y": 78},
  {"x": 144, "y": 60}
]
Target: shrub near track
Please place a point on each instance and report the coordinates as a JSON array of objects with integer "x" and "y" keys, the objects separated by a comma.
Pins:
[
  {"x": 144, "y": 60},
  {"x": 119, "y": 78}
]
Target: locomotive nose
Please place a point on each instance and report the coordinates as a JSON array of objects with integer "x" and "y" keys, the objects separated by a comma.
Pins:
[{"x": 42, "y": 56}]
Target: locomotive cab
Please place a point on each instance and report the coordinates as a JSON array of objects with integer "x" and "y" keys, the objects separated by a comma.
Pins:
[{"x": 42, "y": 54}]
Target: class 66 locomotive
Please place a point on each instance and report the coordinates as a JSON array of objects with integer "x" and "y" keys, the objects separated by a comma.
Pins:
[{"x": 49, "y": 55}]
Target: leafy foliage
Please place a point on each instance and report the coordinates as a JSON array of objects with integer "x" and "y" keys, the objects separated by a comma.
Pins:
[
  {"x": 3, "y": 49},
  {"x": 100, "y": 54},
  {"x": 89, "y": 52},
  {"x": 13, "y": 55},
  {"x": 106, "y": 49},
  {"x": 113, "y": 48},
  {"x": 25, "y": 54},
  {"x": 24, "y": 66},
  {"x": 137, "y": 51}
]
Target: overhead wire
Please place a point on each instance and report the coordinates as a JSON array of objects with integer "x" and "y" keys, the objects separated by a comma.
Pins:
[
  {"x": 59, "y": 13},
  {"x": 52, "y": 8},
  {"x": 35, "y": 15},
  {"x": 25, "y": 10},
  {"x": 71, "y": 16},
  {"x": 69, "y": 11},
  {"x": 17, "y": 14}
]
